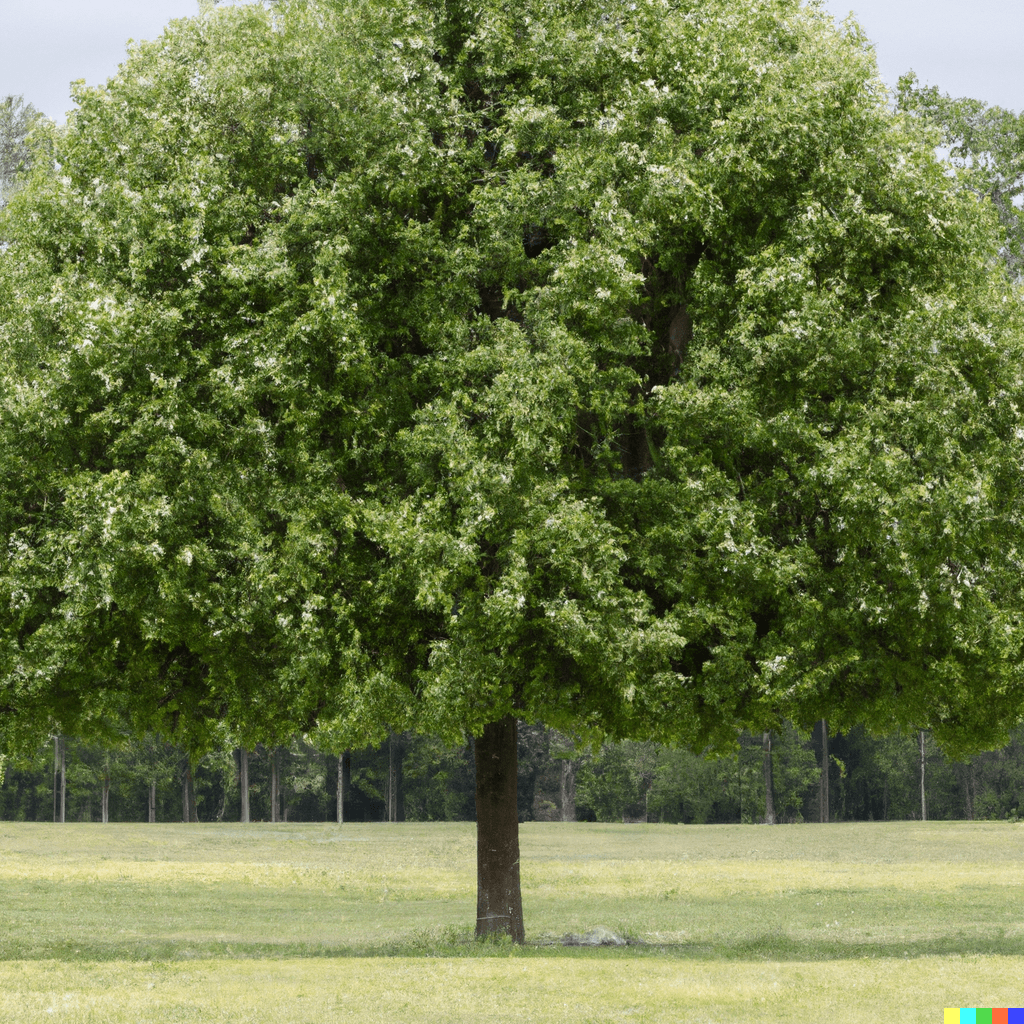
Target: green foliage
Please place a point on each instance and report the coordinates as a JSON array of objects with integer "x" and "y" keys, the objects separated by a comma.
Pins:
[
  {"x": 987, "y": 144},
  {"x": 16, "y": 120},
  {"x": 627, "y": 368}
]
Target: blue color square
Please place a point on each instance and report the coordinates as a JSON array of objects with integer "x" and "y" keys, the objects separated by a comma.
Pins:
[{"x": 1015, "y": 1015}]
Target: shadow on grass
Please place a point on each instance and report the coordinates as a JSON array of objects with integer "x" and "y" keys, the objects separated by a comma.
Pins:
[{"x": 453, "y": 943}]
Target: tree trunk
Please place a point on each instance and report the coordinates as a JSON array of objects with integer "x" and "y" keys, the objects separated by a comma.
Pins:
[
  {"x": 823, "y": 814},
  {"x": 769, "y": 799},
  {"x": 105, "y": 810},
  {"x": 341, "y": 788},
  {"x": 395, "y": 795},
  {"x": 189, "y": 811},
  {"x": 499, "y": 898},
  {"x": 568, "y": 790},
  {"x": 243, "y": 782},
  {"x": 275, "y": 786},
  {"x": 60, "y": 780},
  {"x": 152, "y": 802},
  {"x": 924, "y": 808},
  {"x": 739, "y": 781}
]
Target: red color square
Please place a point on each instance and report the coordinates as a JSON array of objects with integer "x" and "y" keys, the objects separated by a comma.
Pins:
[{"x": 1000, "y": 1016}]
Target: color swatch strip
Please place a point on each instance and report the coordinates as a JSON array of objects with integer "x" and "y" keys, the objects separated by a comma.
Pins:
[{"x": 978, "y": 1015}]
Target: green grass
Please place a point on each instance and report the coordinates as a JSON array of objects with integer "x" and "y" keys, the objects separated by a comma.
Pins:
[{"x": 309, "y": 923}]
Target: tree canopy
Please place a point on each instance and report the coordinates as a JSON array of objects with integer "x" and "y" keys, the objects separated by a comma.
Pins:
[{"x": 628, "y": 367}]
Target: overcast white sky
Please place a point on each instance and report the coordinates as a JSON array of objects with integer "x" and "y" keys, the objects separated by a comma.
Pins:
[{"x": 966, "y": 47}]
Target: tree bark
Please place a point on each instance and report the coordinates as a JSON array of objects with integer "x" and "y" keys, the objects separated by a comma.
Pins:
[
  {"x": 275, "y": 786},
  {"x": 499, "y": 898},
  {"x": 152, "y": 802},
  {"x": 105, "y": 808},
  {"x": 769, "y": 799},
  {"x": 823, "y": 814},
  {"x": 568, "y": 790},
  {"x": 243, "y": 782},
  {"x": 924, "y": 807}
]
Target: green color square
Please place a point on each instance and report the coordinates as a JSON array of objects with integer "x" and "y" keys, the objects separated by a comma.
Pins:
[{"x": 983, "y": 1016}]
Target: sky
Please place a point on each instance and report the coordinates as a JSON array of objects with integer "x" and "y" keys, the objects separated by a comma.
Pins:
[{"x": 966, "y": 47}]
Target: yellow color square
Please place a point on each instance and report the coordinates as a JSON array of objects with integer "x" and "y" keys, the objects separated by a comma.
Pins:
[{"x": 951, "y": 1016}]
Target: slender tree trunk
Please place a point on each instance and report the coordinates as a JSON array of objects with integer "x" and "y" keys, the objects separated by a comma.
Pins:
[
  {"x": 189, "y": 811},
  {"x": 924, "y": 808},
  {"x": 243, "y": 782},
  {"x": 769, "y": 799},
  {"x": 568, "y": 790},
  {"x": 739, "y": 780},
  {"x": 275, "y": 786},
  {"x": 59, "y": 779},
  {"x": 499, "y": 899},
  {"x": 823, "y": 813},
  {"x": 105, "y": 811},
  {"x": 341, "y": 788},
  {"x": 399, "y": 775},
  {"x": 395, "y": 795},
  {"x": 152, "y": 801},
  {"x": 389, "y": 782}
]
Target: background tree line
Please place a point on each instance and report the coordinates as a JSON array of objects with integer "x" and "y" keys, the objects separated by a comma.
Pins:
[{"x": 419, "y": 778}]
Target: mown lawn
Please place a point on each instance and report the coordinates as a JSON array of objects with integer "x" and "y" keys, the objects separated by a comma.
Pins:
[{"x": 309, "y": 923}]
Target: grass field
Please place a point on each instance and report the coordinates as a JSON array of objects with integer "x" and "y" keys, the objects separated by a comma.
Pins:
[{"x": 309, "y": 923}]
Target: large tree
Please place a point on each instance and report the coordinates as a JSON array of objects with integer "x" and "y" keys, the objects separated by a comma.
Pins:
[{"x": 625, "y": 367}]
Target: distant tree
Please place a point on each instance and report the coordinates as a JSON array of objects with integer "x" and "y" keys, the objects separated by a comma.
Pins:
[
  {"x": 987, "y": 143},
  {"x": 16, "y": 120}
]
